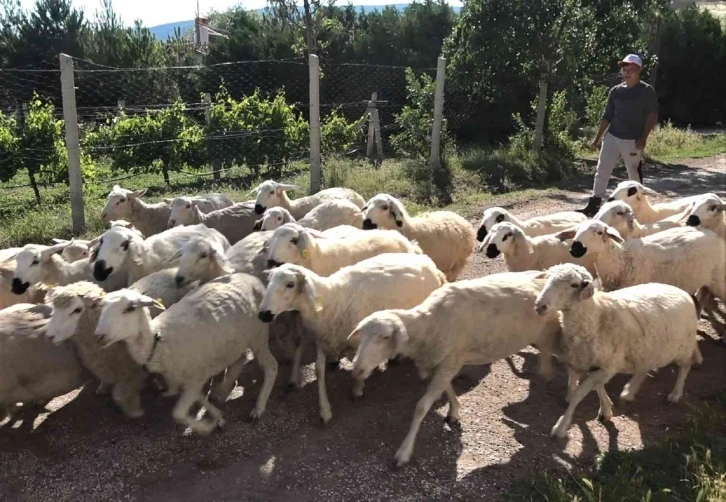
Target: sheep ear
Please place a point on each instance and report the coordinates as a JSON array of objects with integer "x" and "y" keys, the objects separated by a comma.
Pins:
[
  {"x": 649, "y": 191},
  {"x": 311, "y": 294},
  {"x": 258, "y": 225},
  {"x": 484, "y": 243},
  {"x": 221, "y": 260},
  {"x": 721, "y": 207},
  {"x": 60, "y": 241},
  {"x": 354, "y": 336},
  {"x": 145, "y": 301},
  {"x": 400, "y": 335},
  {"x": 541, "y": 275},
  {"x": 630, "y": 220},
  {"x": 588, "y": 289},
  {"x": 46, "y": 254},
  {"x": 177, "y": 254},
  {"x": 284, "y": 186},
  {"x": 303, "y": 243},
  {"x": 397, "y": 213},
  {"x": 528, "y": 245},
  {"x": 138, "y": 193},
  {"x": 566, "y": 234},
  {"x": 116, "y": 188},
  {"x": 198, "y": 212},
  {"x": 168, "y": 201},
  {"x": 613, "y": 234}
]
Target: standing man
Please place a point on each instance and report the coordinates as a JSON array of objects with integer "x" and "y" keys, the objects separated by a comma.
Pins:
[{"x": 631, "y": 114}]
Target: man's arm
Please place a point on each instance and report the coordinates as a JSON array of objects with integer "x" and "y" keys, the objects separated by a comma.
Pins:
[{"x": 651, "y": 119}]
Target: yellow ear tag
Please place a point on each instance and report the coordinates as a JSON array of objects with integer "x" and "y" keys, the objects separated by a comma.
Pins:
[
  {"x": 305, "y": 254},
  {"x": 160, "y": 301},
  {"x": 319, "y": 302},
  {"x": 52, "y": 285}
]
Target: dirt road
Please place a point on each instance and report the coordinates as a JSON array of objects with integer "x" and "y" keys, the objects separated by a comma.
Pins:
[{"x": 85, "y": 450}]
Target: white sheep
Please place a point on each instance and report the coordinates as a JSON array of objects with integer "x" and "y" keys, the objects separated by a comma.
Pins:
[
  {"x": 77, "y": 249},
  {"x": 235, "y": 222},
  {"x": 324, "y": 255},
  {"x": 122, "y": 251},
  {"x": 332, "y": 306},
  {"x": 708, "y": 211},
  {"x": 475, "y": 321},
  {"x": 182, "y": 208},
  {"x": 633, "y": 330},
  {"x": 683, "y": 257},
  {"x": 619, "y": 215},
  {"x": 75, "y": 316},
  {"x": 149, "y": 219},
  {"x": 533, "y": 227},
  {"x": 271, "y": 194},
  {"x": 522, "y": 252},
  {"x": 224, "y": 312},
  {"x": 636, "y": 195},
  {"x": 36, "y": 263},
  {"x": 324, "y": 216},
  {"x": 34, "y": 370},
  {"x": 443, "y": 235}
]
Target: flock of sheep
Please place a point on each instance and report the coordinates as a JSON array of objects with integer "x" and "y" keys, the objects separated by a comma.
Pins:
[{"x": 175, "y": 294}]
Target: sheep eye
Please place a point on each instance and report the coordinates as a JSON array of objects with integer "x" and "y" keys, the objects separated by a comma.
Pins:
[
  {"x": 130, "y": 308},
  {"x": 294, "y": 240},
  {"x": 507, "y": 236},
  {"x": 125, "y": 245},
  {"x": 35, "y": 261},
  {"x": 78, "y": 310},
  {"x": 189, "y": 206},
  {"x": 279, "y": 218},
  {"x": 620, "y": 213},
  {"x": 290, "y": 285},
  {"x": 574, "y": 285},
  {"x": 385, "y": 208},
  {"x": 599, "y": 232},
  {"x": 272, "y": 193},
  {"x": 203, "y": 256},
  {"x": 712, "y": 208}
]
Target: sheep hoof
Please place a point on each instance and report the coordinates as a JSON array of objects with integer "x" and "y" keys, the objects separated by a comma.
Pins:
[
  {"x": 602, "y": 418},
  {"x": 253, "y": 417},
  {"x": 221, "y": 424},
  {"x": 673, "y": 398},
  {"x": 452, "y": 421}
]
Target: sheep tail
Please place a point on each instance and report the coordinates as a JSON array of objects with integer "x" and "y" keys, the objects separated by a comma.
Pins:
[{"x": 699, "y": 299}]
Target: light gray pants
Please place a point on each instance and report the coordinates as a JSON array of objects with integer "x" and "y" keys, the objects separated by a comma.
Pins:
[{"x": 611, "y": 150}]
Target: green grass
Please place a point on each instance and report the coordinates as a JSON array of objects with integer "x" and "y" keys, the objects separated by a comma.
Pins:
[{"x": 689, "y": 465}]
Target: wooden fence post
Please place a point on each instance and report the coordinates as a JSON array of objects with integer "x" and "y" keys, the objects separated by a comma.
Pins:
[
  {"x": 315, "y": 167},
  {"x": 70, "y": 116},
  {"x": 438, "y": 114}
]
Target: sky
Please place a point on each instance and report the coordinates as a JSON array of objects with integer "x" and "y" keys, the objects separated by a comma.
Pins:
[{"x": 155, "y": 12}]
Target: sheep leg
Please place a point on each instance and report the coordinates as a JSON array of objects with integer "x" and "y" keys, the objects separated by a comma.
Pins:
[
  {"x": 605, "y": 413},
  {"x": 357, "y": 389},
  {"x": 573, "y": 379},
  {"x": 593, "y": 380},
  {"x": 631, "y": 388},
  {"x": 440, "y": 383},
  {"x": 191, "y": 394},
  {"x": 222, "y": 388},
  {"x": 269, "y": 365},
  {"x": 677, "y": 391},
  {"x": 126, "y": 396},
  {"x": 103, "y": 389},
  {"x": 452, "y": 417},
  {"x": 296, "y": 373},
  {"x": 547, "y": 341},
  {"x": 325, "y": 413}
]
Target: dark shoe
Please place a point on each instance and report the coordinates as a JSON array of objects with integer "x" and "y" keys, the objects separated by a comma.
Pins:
[
  {"x": 640, "y": 171},
  {"x": 593, "y": 206}
]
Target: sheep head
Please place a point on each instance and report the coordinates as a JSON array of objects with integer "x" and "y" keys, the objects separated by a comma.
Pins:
[
  {"x": 289, "y": 243},
  {"x": 632, "y": 192},
  {"x": 383, "y": 211},
  {"x": 706, "y": 211},
  {"x": 566, "y": 283},
  {"x": 197, "y": 260},
  {"x": 502, "y": 238},
  {"x": 491, "y": 217},
  {"x": 70, "y": 303},
  {"x": 117, "y": 245},
  {"x": 270, "y": 194},
  {"x": 31, "y": 265},
  {"x": 118, "y": 203},
  {"x": 123, "y": 314},
  {"x": 591, "y": 236},
  {"x": 380, "y": 336},
  {"x": 289, "y": 287},
  {"x": 619, "y": 215},
  {"x": 275, "y": 217},
  {"x": 182, "y": 212}
]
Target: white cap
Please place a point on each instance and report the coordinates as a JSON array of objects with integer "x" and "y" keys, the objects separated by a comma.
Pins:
[{"x": 631, "y": 58}]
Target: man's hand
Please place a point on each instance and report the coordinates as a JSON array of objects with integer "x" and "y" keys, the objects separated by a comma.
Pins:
[
  {"x": 594, "y": 146},
  {"x": 640, "y": 144}
]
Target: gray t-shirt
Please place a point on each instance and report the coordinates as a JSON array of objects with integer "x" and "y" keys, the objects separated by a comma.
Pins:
[{"x": 627, "y": 109}]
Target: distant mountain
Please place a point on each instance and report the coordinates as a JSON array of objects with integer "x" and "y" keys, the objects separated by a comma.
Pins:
[{"x": 164, "y": 31}]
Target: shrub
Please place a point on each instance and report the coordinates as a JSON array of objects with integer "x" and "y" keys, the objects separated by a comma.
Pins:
[
  {"x": 337, "y": 134},
  {"x": 595, "y": 104}
]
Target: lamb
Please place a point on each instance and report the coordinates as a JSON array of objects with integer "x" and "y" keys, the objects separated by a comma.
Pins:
[
  {"x": 533, "y": 227},
  {"x": 182, "y": 208},
  {"x": 123, "y": 251},
  {"x": 163, "y": 286},
  {"x": 75, "y": 317},
  {"x": 522, "y": 252},
  {"x": 292, "y": 243},
  {"x": 332, "y": 306},
  {"x": 224, "y": 311},
  {"x": 200, "y": 259},
  {"x": 76, "y": 249},
  {"x": 683, "y": 257},
  {"x": 620, "y": 216},
  {"x": 271, "y": 194},
  {"x": 708, "y": 211},
  {"x": 235, "y": 222},
  {"x": 632, "y": 330},
  {"x": 443, "y": 235},
  {"x": 475, "y": 321},
  {"x": 33, "y": 369},
  {"x": 322, "y": 217},
  {"x": 636, "y": 195},
  {"x": 36, "y": 263}
]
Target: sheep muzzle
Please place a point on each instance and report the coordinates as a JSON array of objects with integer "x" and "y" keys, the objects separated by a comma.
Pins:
[
  {"x": 259, "y": 209},
  {"x": 492, "y": 251},
  {"x": 266, "y": 316},
  {"x": 369, "y": 225},
  {"x": 481, "y": 233},
  {"x": 577, "y": 250},
  {"x": 100, "y": 272},
  {"x": 19, "y": 287},
  {"x": 693, "y": 221}
]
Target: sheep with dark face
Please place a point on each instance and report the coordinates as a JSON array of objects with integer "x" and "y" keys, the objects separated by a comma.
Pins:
[
  {"x": 633, "y": 330},
  {"x": 444, "y": 236},
  {"x": 533, "y": 227},
  {"x": 708, "y": 211}
]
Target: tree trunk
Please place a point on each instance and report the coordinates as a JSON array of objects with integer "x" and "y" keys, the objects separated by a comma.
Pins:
[
  {"x": 216, "y": 170},
  {"x": 165, "y": 171},
  {"x": 34, "y": 184},
  {"x": 539, "y": 124}
]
